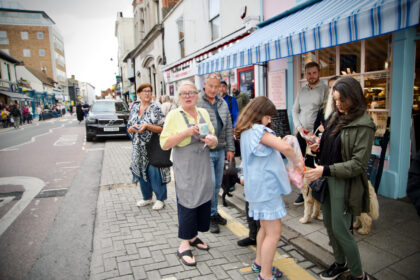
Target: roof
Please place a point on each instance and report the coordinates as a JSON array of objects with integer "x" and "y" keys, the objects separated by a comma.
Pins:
[
  {"x": 41, "y": 76},
  {"x": 9, "y": 58},
  {"x": 44, "y": 14}
]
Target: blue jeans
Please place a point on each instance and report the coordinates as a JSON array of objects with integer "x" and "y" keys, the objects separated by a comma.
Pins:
[
  {"x": 217, "y": 161},
  {"x": 154, "y": 184}
]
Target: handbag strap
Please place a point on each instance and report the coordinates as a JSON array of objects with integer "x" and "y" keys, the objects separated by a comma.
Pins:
[{"x": 186, "y": 118}]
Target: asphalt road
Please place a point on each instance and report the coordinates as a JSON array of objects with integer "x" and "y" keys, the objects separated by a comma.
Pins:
[{"x": 49, "y": 178}]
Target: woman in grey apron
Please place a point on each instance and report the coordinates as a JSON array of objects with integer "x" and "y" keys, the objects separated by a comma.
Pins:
[{"x": 192, "y": 171}]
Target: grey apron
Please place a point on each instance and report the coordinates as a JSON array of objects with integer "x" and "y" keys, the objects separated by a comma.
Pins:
[{"x": 192, "y": 171}]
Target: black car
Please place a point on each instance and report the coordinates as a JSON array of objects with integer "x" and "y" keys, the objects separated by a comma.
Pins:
[{"x": 107, "y": 118}]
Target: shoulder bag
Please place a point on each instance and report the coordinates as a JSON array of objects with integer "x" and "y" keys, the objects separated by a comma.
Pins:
[
  {"x": 157, "y": 156},
  {"x": 319, "y": 189}
]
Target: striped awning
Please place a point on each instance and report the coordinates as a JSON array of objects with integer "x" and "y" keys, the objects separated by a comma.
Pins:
[{"x": 324, "y": 24}]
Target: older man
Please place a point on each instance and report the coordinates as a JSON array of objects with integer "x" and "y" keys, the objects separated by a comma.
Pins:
[{"x": 221, "y": 120}]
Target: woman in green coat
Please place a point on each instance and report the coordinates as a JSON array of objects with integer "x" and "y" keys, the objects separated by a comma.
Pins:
[{"x": 345, "y": 148}]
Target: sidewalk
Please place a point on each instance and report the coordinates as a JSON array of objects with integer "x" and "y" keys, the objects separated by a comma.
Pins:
[
  {"x": 139, "y": 243},
  {"x": 390, "y": 251}
]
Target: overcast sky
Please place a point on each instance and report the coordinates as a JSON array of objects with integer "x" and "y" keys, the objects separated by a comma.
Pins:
[{"x": 88, "y": 28}]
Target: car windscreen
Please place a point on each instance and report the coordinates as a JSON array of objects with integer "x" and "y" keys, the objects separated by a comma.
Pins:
[{"x": 109, "y": 107}]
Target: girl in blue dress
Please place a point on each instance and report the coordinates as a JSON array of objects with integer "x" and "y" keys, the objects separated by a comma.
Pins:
[{"x": 265, "y": 177}]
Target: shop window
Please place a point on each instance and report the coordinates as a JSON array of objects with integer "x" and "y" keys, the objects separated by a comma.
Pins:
[
  {"x": 350, "y": 55},
  {"x": 327, "y": 61},
  {"x": 306, "y": 58},
  {"x": 377, "y": 53}
]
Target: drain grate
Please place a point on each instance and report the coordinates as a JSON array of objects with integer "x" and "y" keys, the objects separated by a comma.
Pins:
[{"x": 52, "y": 193}]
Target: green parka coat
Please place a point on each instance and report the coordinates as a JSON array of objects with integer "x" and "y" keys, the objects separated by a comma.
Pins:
[{"x": 356, "y": 146}]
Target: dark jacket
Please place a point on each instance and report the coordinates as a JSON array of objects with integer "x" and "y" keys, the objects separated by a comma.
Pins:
[
  {"x": 225, "y": 138},
  {"x": 356, "y": 147},
  {"x": 15, "y": 112},
  {"x": 413, "y": 182}
]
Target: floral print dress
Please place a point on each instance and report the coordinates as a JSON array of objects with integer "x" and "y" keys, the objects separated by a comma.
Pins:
[{"x": 139, "y": 159}]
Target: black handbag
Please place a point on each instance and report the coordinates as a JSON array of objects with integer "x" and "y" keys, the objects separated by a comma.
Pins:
[
  {"x": 157, "y": 156},
  {"x": 319, "y": 189}
]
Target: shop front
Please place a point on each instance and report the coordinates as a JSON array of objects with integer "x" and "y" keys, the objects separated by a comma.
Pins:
[{"x": 373, "y": 41}]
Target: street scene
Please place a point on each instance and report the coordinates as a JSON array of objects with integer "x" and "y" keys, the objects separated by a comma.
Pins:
[{"x": 208, "y": 139}]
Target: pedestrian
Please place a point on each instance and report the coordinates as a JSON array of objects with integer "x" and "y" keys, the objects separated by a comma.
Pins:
[
  {"x": 192, "y": 169},
  {"x": 309, "y": 100},
  {"x": 79, "y": 112},
  {"x": 25, "y": 113},
  {"x": 222, "y": 123},
  {"x": 146, "y": 118},
  {"x": 85, "y": 108},
  {"x": 266, "y": 179},
  {"x": 242, "y": 99},
  {"x": 231, "y": 102},
  {"x": 71, "y": 109},
  {"x": 345, "y": 148},
  {"x": 4, "y": 116},
  {"x": 31, "y": 114},
  {"x": 39, "y": 112},
  {"x": 167, "y": 105},
  {"x": 16, "y": 114}
]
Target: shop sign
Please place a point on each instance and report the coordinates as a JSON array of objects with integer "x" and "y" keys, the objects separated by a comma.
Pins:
[{"x": 181, "y": 72}]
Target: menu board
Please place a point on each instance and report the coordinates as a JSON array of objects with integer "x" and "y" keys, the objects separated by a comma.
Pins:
[
  {"x": 277, "y": 88},
  {"x": 280, "y": 123}
]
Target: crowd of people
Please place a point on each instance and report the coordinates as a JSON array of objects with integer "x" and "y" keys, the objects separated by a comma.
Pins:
[
  {"x": 202, "y": 131},
  {"x": 13, "y": 115}
]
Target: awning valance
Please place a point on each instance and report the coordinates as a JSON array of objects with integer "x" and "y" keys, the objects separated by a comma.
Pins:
[
  {"x": 324, "y": 24},
  {"x": 15, "y": 95}
]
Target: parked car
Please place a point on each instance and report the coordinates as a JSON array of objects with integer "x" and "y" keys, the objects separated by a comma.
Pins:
[{"x": 107, "y": 118}]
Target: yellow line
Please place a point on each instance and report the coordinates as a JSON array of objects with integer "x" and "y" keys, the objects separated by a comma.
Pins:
[{"x": 287, "y": 265}]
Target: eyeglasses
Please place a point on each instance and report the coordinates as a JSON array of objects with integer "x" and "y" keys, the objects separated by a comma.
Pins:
[
  {"x": 147, "y": 91},
  {"x": 187, "y": 93}
]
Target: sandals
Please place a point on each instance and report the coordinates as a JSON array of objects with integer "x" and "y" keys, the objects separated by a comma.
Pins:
[
  {"x": 275, "y": 271},
  {"x": 197, "y": 242},
  {"x": 261, "y": 278},
  {"x": 183, "y": 254}
]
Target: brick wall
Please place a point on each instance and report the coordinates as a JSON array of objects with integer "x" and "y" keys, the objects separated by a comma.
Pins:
[{"x": 17, "y": 45}]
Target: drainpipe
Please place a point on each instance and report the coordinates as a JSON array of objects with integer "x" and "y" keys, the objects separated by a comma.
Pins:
[{"x": 262, "y": 69}]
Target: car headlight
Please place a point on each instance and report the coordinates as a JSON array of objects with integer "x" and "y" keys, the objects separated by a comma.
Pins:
[{"x": 91, "y": 120}]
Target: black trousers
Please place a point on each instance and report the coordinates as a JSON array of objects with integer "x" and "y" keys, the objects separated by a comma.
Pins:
[{"x": 253, "y": 225}]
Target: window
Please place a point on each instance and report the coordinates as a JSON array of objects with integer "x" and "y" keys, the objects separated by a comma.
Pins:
[
  {"x": 26, "y": 52},
  {"x": 368, "y": 61},
  {"x": 214, "y": 18},
  {"x": 40, "y": 35},
  {"x": 24, "y": 35},
  {"x": 3, "y": 38},
  {"x": 41, "y": 52},
  {"x": 180, "y": 23}
]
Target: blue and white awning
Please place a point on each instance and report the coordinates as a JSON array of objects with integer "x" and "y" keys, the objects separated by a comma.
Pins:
[{"x": 324, "y": 24}]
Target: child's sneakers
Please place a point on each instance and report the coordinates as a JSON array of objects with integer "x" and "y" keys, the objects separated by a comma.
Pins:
[{"x": 257, "y": 269}]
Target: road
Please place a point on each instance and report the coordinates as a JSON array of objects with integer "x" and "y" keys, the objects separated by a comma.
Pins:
[{"x": 39, "y": 164}]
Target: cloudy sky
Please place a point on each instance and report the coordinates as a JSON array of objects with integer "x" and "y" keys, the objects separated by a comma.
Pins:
[{"x": 88, "y": 28}]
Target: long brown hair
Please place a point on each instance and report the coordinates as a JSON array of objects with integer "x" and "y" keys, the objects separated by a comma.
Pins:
[
  {"x": 351, "y": 94},
  {"x": 253, "y": 113}
]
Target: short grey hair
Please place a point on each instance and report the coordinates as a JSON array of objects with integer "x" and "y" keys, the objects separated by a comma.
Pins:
[{"x": 187, "y": 83}]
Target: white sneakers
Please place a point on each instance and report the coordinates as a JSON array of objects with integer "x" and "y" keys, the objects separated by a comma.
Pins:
[
  {"x": 142, "y": 202},
  {"x": 157, "y": 206}
]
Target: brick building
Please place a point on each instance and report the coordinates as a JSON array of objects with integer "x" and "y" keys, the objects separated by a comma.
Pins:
[{"x": 31, "y": 37}]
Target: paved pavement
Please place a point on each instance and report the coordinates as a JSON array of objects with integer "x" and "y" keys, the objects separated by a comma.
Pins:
[{"x": 139, "y": 243}]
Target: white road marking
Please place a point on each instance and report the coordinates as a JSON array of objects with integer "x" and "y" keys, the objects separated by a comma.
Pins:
[
  {"x": 5, "y": 200},
  {"x": 66, "y": 140},
  {"x": 32, "y": 187},
  {"x": 95, "y": 149}
]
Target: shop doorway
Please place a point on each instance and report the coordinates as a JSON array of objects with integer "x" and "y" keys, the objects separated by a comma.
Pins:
[{"x": 415, "y": 127}]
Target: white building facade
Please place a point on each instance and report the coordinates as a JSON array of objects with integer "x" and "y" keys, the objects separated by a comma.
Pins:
[{"x": 198, "y": 29}]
